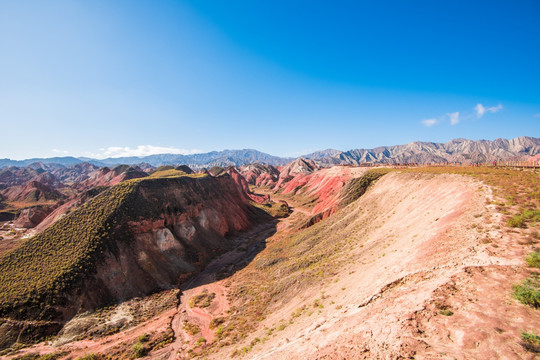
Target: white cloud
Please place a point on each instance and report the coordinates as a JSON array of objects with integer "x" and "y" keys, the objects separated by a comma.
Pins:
[
  {"x": 139, "y": 151},
  {"x": 537, "y": 115},
  {"x": 481, "y": 109},
  {"x": 61, "y": 152},
  {"x": 429, "y": 122},
  {"x": 454, "y": 117}
]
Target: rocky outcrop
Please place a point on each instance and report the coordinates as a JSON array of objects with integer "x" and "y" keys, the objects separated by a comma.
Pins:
[
  {"x": 62, "y": 208},
  {"x": 298, "y": 170},
  {"x": 32, "y": 191},
  {"x": 108, "y": 177},
  {"x": 184, "y": 168},
  {"x": 31, "y": 217},
  {"x": 260, "y": 174},
  {"x": 244, "y": 186}
]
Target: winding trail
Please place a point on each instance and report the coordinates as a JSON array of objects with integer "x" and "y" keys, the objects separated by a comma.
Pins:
[{"x": 248, "y": 245}]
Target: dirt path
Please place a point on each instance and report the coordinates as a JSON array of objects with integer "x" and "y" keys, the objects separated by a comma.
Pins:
[{"x": 248, "y": 245}]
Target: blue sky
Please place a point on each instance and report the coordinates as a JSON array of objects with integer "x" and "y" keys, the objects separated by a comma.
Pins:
[{"x": 110, "y": 78}]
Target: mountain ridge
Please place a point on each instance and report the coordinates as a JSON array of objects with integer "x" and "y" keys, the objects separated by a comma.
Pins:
[{"x": 455, "y": 150}]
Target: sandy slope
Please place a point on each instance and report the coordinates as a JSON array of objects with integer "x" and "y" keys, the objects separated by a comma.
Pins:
[{"x": 423, "y": 243}]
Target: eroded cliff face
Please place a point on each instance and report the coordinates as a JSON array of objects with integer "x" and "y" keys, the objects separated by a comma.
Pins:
[
  {"x": 186, "y": 225},
  {"x": 164, "y": 231}
]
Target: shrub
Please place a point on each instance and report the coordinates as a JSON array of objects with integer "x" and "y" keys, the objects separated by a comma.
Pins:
[
  {"x": 520, "y": 220},
  {"x": 533, "y": 260},
  {"x": 204, "y": 299},
  {"x": 516, "y": 221},
  {"x": 531, "y": 341},
  {"x": 191, "y": 329},
  {"x": 528, "y": 292},
  {"x": 446, "y": 312},
  {"x": 139, "y": 350},
  {"x": 217, "y": 321},
  {"x": 90, "y": 356}
]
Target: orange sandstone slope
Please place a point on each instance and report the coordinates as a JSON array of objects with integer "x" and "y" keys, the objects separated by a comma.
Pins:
[{"x": 418, "y": 267}]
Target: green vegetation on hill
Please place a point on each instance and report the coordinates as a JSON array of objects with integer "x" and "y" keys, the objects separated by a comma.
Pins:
[
  {"x": 50, "y": 262},
  {"x": 162, "y": 168},
  {"x": 36, "y": 275},
  {"x": 169, "y": 173},
  {"x": 277, "y": 210},
  {"x": 358, "y": 186}
]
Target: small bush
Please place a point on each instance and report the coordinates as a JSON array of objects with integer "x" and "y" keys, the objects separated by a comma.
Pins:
[
  {"x": 139, "y": 350},
  {"x": 143, "y": 338},
  {"x": 520, "y": 220},
  {"x": 531, "y": 341},
  {"x": 516, "y": 221},
  {"x": 533, "y": 260},
  {"x": 204, "y": 299},
  {"x": 215, "y": 322},
  {"x": 528, "y": 292},
  {"x": 191, "y": 329},
  {"x": 446, "y": 312},
  {"x": 36, "y": 356},
  {"x": 90, "y": 356}
]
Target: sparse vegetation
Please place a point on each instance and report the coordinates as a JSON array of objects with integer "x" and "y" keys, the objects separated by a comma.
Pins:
[
  {"x": 91, "y": 356},
  {"x": 520, "y": 188},
  {"x": 191, "y": 329},
  {"x": 216, "y": 322},
  {"x": 528, "y": 292},
  {"x": 521, "y": 220},
  {"x": 139, "y": 349},
  {"x": 173, "y": 173},
  {"x": 531, "y": 341},
  {"x": 202, "y": 300},
  {"x": 357, "y": 187},
  {"x": 36, "y": 356},
  {"x": 533, "y": 260},
  {"x": 277, "y": 210}
]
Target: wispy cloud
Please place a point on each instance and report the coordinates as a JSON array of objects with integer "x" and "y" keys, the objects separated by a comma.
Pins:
[
  {"x": 454, "y": 117},
  {"x": 139, "y": 151},
  {"x": 429, "y": 122},
  {"x": 481, "y": 109},
  {"x": 60, "y": 152},
  {"x": 537, "y": 115}
]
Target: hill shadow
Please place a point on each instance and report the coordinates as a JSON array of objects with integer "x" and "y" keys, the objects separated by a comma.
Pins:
[{"x": 246, "y": 246}]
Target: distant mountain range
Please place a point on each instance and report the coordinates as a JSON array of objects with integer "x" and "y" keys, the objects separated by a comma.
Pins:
[
  {"x": 214, "y": 158},
  {"x": 457, "y": 150}
]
